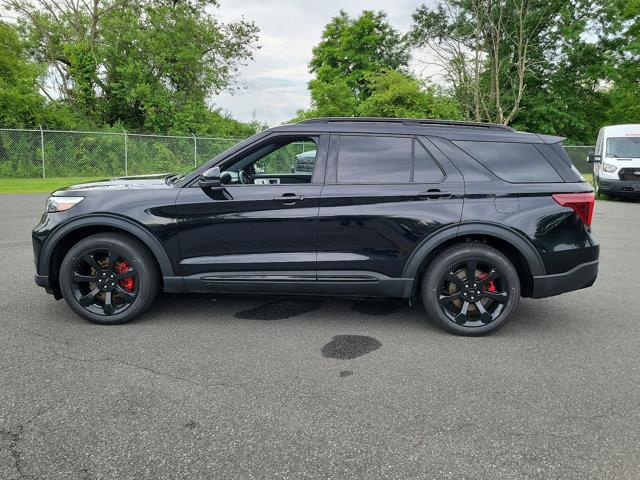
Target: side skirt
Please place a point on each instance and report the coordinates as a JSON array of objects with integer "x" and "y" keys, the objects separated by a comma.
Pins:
[{"x": 355, "y": 283}]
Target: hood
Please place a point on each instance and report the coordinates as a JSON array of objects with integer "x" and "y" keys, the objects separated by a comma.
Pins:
[{"x": 121, "y": 183}]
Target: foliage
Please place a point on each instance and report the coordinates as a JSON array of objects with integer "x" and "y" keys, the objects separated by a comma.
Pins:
[
  {"x": 394, "y": 94},
  {"x": 95, "y": 154},
  {"x": 565, "y": 67},
  {"x": 145, "y": 64},
  {"x": 20, "y": 101},
  {"x": 621, "y": 36},
  {"x": 351, "y": 49},
  {"x": 487, "y": 49},
  {"x": 361, "y": 69}
]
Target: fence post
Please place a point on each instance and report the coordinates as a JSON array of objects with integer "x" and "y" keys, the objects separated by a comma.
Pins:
[
  {"x": 42, "y": 149},
  {"x": 195, "y": 150},
  {"x": 126, "y": 154}
]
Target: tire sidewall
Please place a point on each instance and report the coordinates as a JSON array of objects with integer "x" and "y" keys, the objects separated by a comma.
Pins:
[
  {"x": 439, "y": 268},
  {"x": 131, "y": 253}
]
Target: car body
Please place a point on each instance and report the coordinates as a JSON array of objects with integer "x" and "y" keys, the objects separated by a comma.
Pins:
[
  {"x": 385, "y": 200},
  {"x": 616, "y": 161},
  {"x": 305, "y": 162}
]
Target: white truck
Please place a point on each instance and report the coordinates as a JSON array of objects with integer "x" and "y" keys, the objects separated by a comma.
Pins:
[{"x": 616, "y": 161}]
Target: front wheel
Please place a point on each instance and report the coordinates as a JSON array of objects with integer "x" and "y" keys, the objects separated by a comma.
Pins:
[
  {"x": 470, "y": 289},
  {"x": 596, "y": 183},
  {"x": 109, "y": 278}
]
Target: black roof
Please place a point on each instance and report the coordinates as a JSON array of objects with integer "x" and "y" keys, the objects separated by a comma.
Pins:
[{"x": 448, "y": 129}]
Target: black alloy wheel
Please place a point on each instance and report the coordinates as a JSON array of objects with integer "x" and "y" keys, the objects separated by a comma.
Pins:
[
  {"x": 470, "y": 289},
  {"x": 473, "y": 293},
  {"x": 109, "y": 278},
  {"x": 104, "y": 282}
]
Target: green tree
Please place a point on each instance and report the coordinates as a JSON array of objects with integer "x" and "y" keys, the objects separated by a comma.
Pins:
[
  {"x": 621, "y": 36},
  {"x": 20, "y": 101},
  {"x": 488, "y": 49},
  {"x": 150, "y": 65},
  {"x": 394, "y": 94},
  {"x": 350, "y": 50}
]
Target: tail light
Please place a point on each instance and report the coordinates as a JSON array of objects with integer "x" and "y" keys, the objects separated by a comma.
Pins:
[{"x": 581, "y": 203}]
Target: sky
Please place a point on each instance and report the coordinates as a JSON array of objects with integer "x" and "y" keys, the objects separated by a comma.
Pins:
[{"x": 274, "y": 85}]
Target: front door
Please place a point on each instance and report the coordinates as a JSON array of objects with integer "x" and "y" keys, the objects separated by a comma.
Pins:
[{"x": 261, "y": 231}]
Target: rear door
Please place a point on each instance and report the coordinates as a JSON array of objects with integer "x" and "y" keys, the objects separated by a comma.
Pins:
[{"x": 383, "y": 195}]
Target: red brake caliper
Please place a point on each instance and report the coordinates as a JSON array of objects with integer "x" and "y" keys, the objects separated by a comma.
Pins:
[
  {"x": 491, "y": 286},
  {"x": 127, "y": 283}
]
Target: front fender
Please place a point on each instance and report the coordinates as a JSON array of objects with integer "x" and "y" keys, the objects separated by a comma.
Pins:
[{"x": 107, "y": 220}]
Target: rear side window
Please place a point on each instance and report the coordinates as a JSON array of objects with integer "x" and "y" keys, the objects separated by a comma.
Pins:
[
  {"x": 513, "y": 162},
  {"x": 370, "y": 159}
]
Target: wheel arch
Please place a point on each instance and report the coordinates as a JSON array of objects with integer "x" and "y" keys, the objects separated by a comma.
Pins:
[
  {"x": 512, "y": 244},
  {"x": 59, "y": 242}
]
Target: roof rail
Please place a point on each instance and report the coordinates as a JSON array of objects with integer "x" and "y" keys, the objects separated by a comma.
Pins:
[{"x": 410, "y": 122}]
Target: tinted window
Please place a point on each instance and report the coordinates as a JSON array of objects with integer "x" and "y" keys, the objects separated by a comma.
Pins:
[
  {"x": 513, "y": 162},
  {"x": 425, "y": 168},
  {"x": 369, "y": 159}
]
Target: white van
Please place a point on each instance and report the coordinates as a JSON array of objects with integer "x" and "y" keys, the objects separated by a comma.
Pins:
[{"x": 616, "y": 161}]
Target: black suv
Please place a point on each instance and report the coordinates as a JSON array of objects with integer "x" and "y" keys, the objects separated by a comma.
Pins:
[{"x": 467, "y": 216}]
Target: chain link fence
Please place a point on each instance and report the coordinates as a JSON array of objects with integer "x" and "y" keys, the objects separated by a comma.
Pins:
[
  {"x": 58, "y": 153},
  {"x": 28, "y": 153},
  {"x": 578, "y": 155}
]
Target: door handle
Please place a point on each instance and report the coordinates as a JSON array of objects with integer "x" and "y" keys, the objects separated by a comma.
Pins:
[
  {"x": 433, "y": 193},
  {"x": 289, "y": 199}
]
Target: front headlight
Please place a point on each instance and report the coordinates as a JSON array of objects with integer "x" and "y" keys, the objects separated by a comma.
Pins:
[
  {"x": 60, "y": 204},
  {"x": 607, "y": 167}
]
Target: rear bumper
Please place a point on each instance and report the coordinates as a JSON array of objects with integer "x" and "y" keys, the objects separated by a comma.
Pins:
[
  {"x": 626, "y": 188},
  {"x": 582, "y": 276}
]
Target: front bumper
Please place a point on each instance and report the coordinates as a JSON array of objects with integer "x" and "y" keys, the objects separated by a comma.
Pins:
[
  {"x": 42, "y": 280},
  {"x": 582, "y": 276},
  {"x": 630, "y": 188}
]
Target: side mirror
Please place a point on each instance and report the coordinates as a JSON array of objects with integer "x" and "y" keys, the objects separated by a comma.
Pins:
[
  {"x": 593, "y": 158},
  {"x": 210, "y": 178}
]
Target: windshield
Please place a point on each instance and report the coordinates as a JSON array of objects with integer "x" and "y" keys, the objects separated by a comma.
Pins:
[{"x": 623, "y": 147}]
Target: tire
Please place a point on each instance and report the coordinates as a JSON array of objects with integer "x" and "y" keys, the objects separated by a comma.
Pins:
[
  {"x": 109, "y": 278},
  {"x": 490, "y": 296},
  {"x": 596, "y": 183}
]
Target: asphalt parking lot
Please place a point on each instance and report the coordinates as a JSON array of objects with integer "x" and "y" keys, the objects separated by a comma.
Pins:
[{"x": 211, "y": 386}]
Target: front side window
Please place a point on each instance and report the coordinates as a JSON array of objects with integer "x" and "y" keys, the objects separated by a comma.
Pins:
[
  {"x": 370, "y": 159},
  {"x": 628, "y": 147},
  {"x": 283, "y": 160}
]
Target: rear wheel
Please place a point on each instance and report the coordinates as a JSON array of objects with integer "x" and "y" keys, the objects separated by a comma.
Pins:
[
  {"x": 470, "y": 289},
  {"x": 109, "y": 278}
]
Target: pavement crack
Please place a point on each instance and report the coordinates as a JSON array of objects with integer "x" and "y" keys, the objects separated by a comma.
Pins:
[
  {"x": 118, "y": 361},
  {"x": 46, "y": 337},
  {"x": 14, "y": 439}
]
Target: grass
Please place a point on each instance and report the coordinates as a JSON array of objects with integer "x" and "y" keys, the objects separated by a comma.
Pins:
[{"x": 33, "y": 185}]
